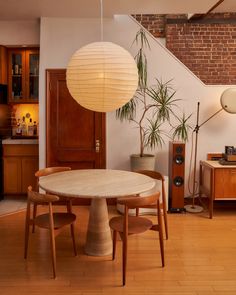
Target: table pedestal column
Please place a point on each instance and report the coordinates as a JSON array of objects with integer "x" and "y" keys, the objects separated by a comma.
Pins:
[{"x": 99, "y": 242}]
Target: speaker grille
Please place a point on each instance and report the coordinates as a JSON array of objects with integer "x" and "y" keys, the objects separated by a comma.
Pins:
[
  {"x": 178, "y": 181},
  {"x": 179, "y": 159},
  {"x": 179, "y": 149}
]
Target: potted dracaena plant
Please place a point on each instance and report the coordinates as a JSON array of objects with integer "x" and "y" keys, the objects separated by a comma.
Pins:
[{"x": 156, "y": 105}]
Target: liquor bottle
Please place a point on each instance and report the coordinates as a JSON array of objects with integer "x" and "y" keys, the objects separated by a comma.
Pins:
[
  {"x": 18, "y": 128},
  {"x": 35, "y": 128},
  {"x": 23, "y": 126},
  {"x": 16, "y": 68},
  {"x": 30, "y": 128}
]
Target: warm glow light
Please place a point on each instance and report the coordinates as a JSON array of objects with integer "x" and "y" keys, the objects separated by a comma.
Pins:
[
  {"x": 102, "y": 76},
  {"x": 21, "y": 110},
  {"x": 228, "y": 100}
]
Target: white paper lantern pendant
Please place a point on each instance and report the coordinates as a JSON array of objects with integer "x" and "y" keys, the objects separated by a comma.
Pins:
[{"x": 102, "y": 76}]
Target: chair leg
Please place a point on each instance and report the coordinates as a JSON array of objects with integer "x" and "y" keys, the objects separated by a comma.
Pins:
[
  {"x": 72, "y": 230},
  {"x": 124, "y": 252},
  {"x": 165, "y": 223},
  {"x": 69, "y": 206},
  {"x": 34, "y": 216},
  {"x": 114, "y": 244},
  {"x": 159, "y": 219},
  {"x": 27, "y": 225},
  {"x": 164, "y": 209},
  {"x": 52, "y": 238},
  {"x": 53, "y": 252}
]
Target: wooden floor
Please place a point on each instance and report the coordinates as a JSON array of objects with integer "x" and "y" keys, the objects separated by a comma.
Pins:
[{"x": 200, "y": 259}]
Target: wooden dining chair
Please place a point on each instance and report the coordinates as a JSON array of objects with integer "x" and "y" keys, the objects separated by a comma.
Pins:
[
  {"x": 157, "y": 176},
  {"x": 51, "y": 221},
  {"x": 128, "y": 225},
  {"x": 45, "y": 172}
]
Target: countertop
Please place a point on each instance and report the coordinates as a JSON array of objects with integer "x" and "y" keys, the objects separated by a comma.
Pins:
[
  {"x": 216, "y": 164},
  {"x": 20, "y": 141}
]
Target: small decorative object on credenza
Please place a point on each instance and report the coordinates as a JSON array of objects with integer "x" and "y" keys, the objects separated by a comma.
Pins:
[{"x": 229, "y": 157}]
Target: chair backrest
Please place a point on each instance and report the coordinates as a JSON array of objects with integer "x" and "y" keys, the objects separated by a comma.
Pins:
[
  {"x": 135, "y": 202},
  {"x": 36, "y": 197},
  {"x": 50, "y": 170},
  {"x": 152, "y": 174},
  {"x": 157, "y": 176}
]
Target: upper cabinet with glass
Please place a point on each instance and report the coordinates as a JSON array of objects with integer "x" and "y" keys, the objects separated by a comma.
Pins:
[{"x": 23, "y": 75}]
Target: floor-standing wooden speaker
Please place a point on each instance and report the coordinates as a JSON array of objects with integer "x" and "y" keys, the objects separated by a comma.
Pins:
[{"x": 176, "y": 176}]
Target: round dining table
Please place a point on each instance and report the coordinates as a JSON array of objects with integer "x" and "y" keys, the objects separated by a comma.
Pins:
[{"x": 97, "y": 184}]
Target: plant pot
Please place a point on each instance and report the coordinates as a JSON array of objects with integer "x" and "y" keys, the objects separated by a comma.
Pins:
[{"x": 147, "y": 162}]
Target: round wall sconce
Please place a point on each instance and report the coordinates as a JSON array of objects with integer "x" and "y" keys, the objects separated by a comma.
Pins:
[{"x": 228, "y": 100}]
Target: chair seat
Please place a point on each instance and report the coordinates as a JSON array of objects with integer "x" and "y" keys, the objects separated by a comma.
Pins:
[
  {"x": 60, "y": 219},
  {"x": 136, "y": 224}
]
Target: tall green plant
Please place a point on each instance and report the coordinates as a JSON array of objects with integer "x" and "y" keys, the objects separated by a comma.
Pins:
[{"x": 158, "y": 105}]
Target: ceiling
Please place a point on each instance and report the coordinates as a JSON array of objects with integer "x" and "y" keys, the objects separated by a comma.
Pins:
[
  {"x": 226, "y": 6},
  {"x": 33, "y": 9}
]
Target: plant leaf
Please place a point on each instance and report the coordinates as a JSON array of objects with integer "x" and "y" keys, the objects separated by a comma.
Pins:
[
  {"x": 163, "y": 96},
  {"x": 181, "y": 130},
  {"x": 127, "y": 111},
  {"x": 153, "y": 134}
]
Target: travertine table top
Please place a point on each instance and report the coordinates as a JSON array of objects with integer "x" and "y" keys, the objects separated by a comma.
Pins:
[{"x": 103, "y": 183}]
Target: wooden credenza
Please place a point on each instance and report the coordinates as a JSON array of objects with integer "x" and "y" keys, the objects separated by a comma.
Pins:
[{"x": 218, "y": 182}]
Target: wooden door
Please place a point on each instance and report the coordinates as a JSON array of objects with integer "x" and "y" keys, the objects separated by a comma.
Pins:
[{"x": 75, "y": 135}]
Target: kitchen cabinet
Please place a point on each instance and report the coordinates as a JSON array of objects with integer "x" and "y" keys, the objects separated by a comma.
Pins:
[
  {"x": 20, "y": 162},
  {"x": 3, "y": 65},
  {"x": 23, "y": 75}
]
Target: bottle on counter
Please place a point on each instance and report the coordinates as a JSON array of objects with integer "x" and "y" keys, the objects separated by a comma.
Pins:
[
  {"x": 23, "y": 126},
  {"x": 13, "y": 126},
  {"x": 35, "y": 128},
  {"x": 30, "y": 128},
  {"x": 16, "y": 69},
  {"x": 18, "y": 128}
]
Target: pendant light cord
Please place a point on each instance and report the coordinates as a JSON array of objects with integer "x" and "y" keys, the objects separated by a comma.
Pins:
[{"x": 101, "y": 4}]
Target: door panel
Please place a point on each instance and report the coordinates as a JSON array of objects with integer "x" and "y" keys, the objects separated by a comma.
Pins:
[
  {"x": 72, "y": 131},
  {"x": 80, "y": 121}
]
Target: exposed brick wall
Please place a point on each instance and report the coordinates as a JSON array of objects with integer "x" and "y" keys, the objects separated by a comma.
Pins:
[
  {"x": 207, "y": 48},
  {"x": 154, "y": 23}
]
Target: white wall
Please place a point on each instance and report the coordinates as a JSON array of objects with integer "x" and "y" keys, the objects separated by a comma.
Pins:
[
  {"x": 19, "y": 32},
  {"x": 60, "y": 38}
]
